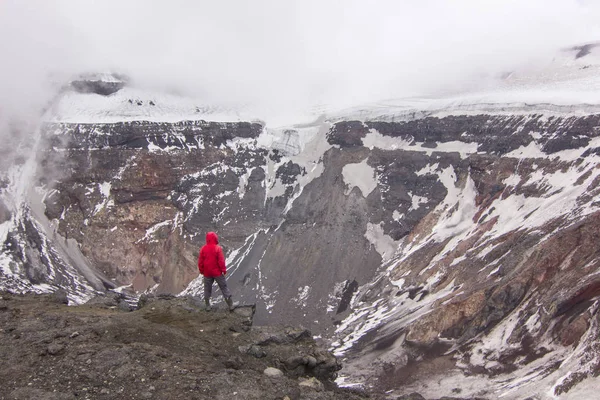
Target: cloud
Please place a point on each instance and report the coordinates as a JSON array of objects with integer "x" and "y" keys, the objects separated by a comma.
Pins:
[{"x": 283, "y": 54}]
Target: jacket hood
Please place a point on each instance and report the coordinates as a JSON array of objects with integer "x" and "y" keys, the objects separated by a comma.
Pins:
[{"x": 212, "y": 238}]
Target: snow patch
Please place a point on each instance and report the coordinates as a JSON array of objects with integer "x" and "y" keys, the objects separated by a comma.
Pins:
[
  {"x": 384, "y": 244},
  {"x": 243, "y": 182},
  {"x": 416, "y": 201},
  {"x": 303, "y": 293},
  {"x": 135, "y": 104},
  {"x": 397, "y": 216},
  {"x": 429, "y": 169},
  {"x": 150, "y": 232},
  {"x": 374, "y": 139},
  {"x": 104, "y": 189},
  {"x": 459, "y": 207},
  {"x": 360, "y": 175}
]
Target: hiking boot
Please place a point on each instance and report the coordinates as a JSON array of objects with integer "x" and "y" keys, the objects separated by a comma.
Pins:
[
  {"x": 229, "y": 303},
  {"x": 207, "y": 306}
]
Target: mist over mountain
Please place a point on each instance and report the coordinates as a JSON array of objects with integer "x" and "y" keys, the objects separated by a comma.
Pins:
[{"x": 283, "y": 58}]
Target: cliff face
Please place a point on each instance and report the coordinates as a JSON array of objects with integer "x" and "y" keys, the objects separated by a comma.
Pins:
[
  {"x": 499, "y": 277},
  {"x": 139, "y": 194},
  {"x": 458, "y": 241}
]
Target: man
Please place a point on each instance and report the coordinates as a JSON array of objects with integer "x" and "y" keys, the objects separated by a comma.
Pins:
[{"x": 211, "y": 264}]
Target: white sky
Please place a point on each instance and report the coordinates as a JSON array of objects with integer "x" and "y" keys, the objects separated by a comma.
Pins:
[{"x": 283, "y": 54}]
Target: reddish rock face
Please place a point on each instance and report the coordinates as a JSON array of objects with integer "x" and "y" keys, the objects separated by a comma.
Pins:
[
  {"x": 573, "y": 330},
  {"x": 446, "y": 320}
]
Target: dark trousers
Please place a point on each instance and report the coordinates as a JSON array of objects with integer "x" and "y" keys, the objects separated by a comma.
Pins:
[{"x": 208, "y": 284}]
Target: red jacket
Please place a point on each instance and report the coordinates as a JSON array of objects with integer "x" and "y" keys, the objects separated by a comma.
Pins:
[{"x": 211, "y": 262}]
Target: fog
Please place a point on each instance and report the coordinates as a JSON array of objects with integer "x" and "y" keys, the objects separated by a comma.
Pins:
[{"x": 282, "y": 55}]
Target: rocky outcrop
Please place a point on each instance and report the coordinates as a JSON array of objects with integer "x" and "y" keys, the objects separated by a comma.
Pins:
[
  {"x": 185, "y": 135},
  {"x": 101, "y": 84},
  {"x": 170, "y": 348},
  {"x": 97, "y": 87}
]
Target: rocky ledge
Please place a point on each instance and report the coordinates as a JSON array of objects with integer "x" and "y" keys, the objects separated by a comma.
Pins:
[{"x": 168, "y": 348}]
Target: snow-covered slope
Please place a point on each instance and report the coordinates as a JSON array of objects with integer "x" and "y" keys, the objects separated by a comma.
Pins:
[
  {"x": 34, "y": 257},
  {"x": 488, "y": 276},
  {"x": 565, "y": 85},
  {"x": 136, "y": 104}
]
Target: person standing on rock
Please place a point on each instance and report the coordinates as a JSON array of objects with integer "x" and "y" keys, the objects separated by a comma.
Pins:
[{"x": 211, "y": 264}]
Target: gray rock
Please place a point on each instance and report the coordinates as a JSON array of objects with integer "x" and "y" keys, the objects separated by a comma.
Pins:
[
  {"x": 257, "y": 351},
  {"x": 253, "y": 350},
  {"x": 273, "y": 372},
  {"x": 124, "y": 306},
  {"x": 294, "y": 362},
  {"x": 312, "y": 383},
  {"x": 60, "y": 297},
  {"x": 246, "y": 310},
  {"x": 288, "y": 336},
  {"x": 233, "y": 363},
  {"x": 55, "y": 349},
  {"x": 244, "y": 349},
  {"x": 145, "y": 299}
]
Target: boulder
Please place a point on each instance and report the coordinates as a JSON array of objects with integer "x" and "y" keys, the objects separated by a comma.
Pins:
[
  {"x": 273, "y": 372},
  {"x": 312, "y": 383}
]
